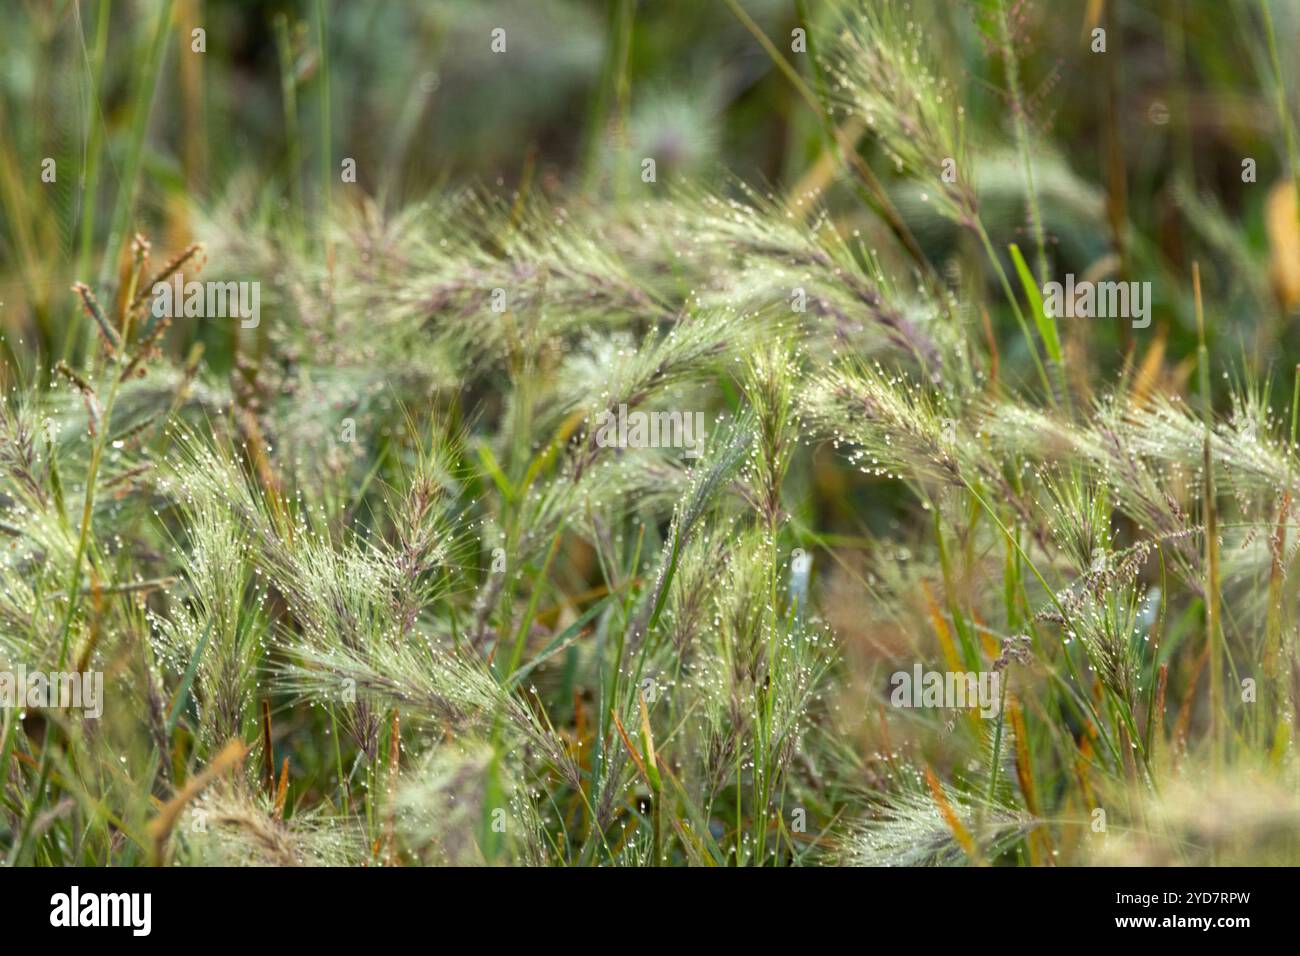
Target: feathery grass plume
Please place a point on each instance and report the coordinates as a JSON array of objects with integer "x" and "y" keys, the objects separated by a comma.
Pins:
[
  {"x": 758, "y": 675},
  {"x": 896, "y": 425},
  {"x": 334, "y": 596},
  {"x": 441, "y": 804},
  {"x": 217, "y": 629},
  {"x": 1147, "y": 494},
  {"x": 770, "y": 389},
  {"x": 695, "y": 584},
  {"x": 754, "y": 250},
  {"x": 438, "y": 685},
  {"x": 884, "y": 71},
  {"x": 1104, "y": 616},
  {"x": 909, "y": 829},
  {"x": 632, "y": 375},
  {"x": 227, "y": 827},
  {"x": 1248, "y": 455},
  {"x": 35, "y": 537},
  {"x": 478, "y": 275},
  {"x": 355, "y": 607},
  {"x": 708, "y": 479},
  {"x": 1080, "y": 518},
  {"x": 446, "y": 806},
  {"x": 24, "y": 470},
  {"x": 733, "y": 670}
]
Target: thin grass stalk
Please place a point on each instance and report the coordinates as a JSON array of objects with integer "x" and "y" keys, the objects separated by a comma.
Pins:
[
  {"x": 1213, "y": 627},
  {"x": 876, "y": 197},
  {"x": 94, "y": 142},
  {"x": 141, "y": 108},
  {"x": 1012, "y": 67}
]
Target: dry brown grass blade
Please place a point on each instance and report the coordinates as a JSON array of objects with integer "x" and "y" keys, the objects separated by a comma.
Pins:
[
  {"x": 268, "y": 755},
  {"x": 255, "y": 443},
  {"x": 1148, "y": 373},
  {"x": 1185, "y": 708},
  {"x": 1284, "y": 243},
  {"x": 1092, "y": 16},
  {"x": 97, "y": 602},
  {"x": 627, "y": 742},
  {"x": 959, "y": 831},
  {"x": 1039, "y": 843},
  {"x": 1084, "y": 776},
  {"x": 941, "y": 629},
  {"x": 282, "y": 791},
  {"x": 161, "y": 826}
]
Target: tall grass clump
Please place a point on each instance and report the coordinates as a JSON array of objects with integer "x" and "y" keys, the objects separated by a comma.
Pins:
[{"x": 590, "y": 509}]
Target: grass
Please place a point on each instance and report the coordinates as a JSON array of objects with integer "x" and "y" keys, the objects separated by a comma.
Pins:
[{"x": 368, "y": 586}]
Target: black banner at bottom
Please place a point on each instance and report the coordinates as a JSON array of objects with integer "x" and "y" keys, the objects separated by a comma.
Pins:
[{"x": 294, "y": 907}]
